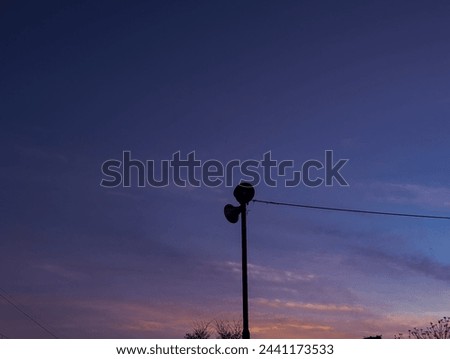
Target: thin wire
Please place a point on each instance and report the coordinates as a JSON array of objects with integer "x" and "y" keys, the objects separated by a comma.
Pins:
[
  {"x": 3, "y": 336},
  {"x": 363, "y": 211},
  {"x": 26, "y": 314}
]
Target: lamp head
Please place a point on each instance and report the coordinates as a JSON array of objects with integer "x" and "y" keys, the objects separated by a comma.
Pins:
[{"x": 244, "y": 193}]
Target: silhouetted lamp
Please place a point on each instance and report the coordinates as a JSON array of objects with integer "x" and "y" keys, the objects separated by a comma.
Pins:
[
  {"x": 232, "y": 213},
  {"x": 244, "y": 193}
]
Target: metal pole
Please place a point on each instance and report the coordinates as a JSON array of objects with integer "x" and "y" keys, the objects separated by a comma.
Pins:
[{"x": 245, "y": 331}]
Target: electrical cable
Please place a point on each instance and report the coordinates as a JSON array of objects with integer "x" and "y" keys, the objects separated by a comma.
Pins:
[
  {"x": 26, "y": 314},
  {"x": 352, "y": 210}
]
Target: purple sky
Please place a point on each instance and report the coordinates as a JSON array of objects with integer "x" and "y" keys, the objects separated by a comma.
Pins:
[{"x": 83, "y": 81}]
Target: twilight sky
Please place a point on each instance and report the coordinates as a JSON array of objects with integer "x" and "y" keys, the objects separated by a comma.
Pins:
[{"x": 83, "y": 81}]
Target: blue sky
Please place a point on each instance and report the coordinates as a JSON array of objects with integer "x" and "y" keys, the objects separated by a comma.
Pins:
[{"x": 83, "y": 81}]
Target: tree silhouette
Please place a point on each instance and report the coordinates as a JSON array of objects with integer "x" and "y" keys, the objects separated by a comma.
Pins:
[
  {"x": 223, "y": 329},
  {"x": 228, "y": 330},
  {"x": 200, "y": 331},
  {"x": 439, "y": 330}
]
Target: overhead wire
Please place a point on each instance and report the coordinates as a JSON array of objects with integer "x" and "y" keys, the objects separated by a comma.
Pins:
[
  {"x": 353, "y": 210},
  {"x": 16, "y": 306}
]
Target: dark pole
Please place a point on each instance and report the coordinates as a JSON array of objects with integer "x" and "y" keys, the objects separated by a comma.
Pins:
[
  {"x": 244, "y": 193},
  {"x": 245, "y": 331}
]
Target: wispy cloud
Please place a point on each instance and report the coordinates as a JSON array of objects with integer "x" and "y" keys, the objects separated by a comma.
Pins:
[
  {"x": 61, "y": 271},
  {"x": 283, "y": 327},
  {"x": 269, "y": 274},
  {"x": 408, "y": 193},
  {"x": 328, "y": 307},
  {"x": 402, "y": 264},
  {"x": 41, "y": 154}
]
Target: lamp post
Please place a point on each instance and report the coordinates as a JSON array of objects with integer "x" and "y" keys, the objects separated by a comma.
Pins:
[{"x": 243, "y": 193}]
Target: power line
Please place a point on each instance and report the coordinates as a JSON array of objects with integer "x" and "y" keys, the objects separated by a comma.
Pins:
[
  {"x": 352, "y": 210},
  {"x": 26, "y": 314}
]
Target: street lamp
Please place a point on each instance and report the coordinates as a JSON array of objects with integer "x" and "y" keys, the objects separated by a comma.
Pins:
[{"x": 244, "y": 193}]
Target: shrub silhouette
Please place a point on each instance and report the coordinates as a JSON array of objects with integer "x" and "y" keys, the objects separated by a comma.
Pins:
[
  {"x": 223, "y": 329},
  {"x": 439, "y": 330}
]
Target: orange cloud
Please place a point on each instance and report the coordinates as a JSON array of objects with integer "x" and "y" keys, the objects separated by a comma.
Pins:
[{"x": 277, "y": 303}]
